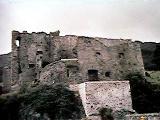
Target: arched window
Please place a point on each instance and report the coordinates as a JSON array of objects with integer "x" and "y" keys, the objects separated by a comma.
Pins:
[{"x": 18, "y": 41}]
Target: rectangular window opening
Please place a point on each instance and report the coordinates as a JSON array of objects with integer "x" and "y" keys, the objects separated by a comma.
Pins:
[{"x": 92, "y": 75}]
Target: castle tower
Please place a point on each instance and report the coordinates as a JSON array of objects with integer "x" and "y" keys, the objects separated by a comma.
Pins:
[{"x": 14, "y": 57}]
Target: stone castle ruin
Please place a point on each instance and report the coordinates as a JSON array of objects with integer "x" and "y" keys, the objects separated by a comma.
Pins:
[
  {"x": 98, "y": 66},
  {"x": 43, "y": 57}
]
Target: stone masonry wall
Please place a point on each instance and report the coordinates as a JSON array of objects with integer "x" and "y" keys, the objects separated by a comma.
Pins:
[
  {"x": 105, "y": 94},
  {"x": 24, "y": 54},
  {"x": 116, "y": 60},
  {"x": 111, "y": 59}
]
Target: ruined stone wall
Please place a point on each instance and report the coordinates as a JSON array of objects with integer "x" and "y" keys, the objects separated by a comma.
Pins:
[
  {"x": 27, "y": 77},
  {"x": 112, "y": 62},
  {"x": 33, "y": 51},
  {"x": 105, "y": 94},
  {"x": 113, "y": 59},
  {"x": 63, "y": 71},
  {"x": 110, "y": 59},
  {"x": 63, "y": 47},
  {"x": 14, "y": 58}
]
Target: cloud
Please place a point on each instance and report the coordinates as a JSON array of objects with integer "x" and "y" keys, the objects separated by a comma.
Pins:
[{"x": 138, "y": 20}]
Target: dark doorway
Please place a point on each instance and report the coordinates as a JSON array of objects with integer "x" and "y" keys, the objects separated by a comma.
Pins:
[{"x": 92, "y": 75}]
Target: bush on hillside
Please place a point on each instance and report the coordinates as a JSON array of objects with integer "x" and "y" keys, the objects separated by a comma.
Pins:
[
  {"x": 144, "y": 98},
  {"x": 56, "y": 101}
]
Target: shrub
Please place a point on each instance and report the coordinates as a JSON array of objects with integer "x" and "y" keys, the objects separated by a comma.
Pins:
[
  {"x": 9, "y": 107},
  {"x": 144, "y": 98},
  {"x": 106, "y": 114},
  {"x": 55, "y": 100}
]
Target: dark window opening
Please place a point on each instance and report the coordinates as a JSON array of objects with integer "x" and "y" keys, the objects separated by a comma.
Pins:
[
  {"x": 44, "y": 64},
  {"x": 35, "y": 80},
  {"x": 64, "y": 54},
  {"x": 31, "y": 65},
  {"x": 19, "y": 69},
  {"x": 93, "y": 75},
  {"x": 107, "y": 74},
  {"x": 72, "y": 70},
  {"x": 121, "y": 55},
  {"x": 98, "y": 53},
  {"x": 67, "y": 72},
  {"x": 39, "y": 52}
]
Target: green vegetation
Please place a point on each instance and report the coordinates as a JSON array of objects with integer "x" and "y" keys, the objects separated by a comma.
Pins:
[
  {"x": 153, "y": 77},
  {"x": 55, "y": 101},
  {"x": 106, "y": 114},
  {"x": 9, "y": 107},
  {"x": 145, "y": 97}
]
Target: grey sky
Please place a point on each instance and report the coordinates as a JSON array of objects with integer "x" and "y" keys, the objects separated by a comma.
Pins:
[{"x": 135, "y": 19}]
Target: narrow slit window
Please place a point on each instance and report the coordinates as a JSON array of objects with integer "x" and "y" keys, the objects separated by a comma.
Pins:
[{"x": 67, "y": 72}]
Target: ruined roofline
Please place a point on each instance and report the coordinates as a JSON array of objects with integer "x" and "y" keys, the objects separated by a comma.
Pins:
[
  {"x": 57, "y": 33},
  {"x": 25, "y": 32},
  {"x": 89, "y": 37}
]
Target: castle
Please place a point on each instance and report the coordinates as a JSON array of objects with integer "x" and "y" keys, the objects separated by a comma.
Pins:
[
  {"x": 50, "y": 58},
  {"x": 41, "y": 57}
]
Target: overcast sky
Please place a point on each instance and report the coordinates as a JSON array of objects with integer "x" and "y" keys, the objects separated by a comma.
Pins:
[{"x": 135, "y": 19}]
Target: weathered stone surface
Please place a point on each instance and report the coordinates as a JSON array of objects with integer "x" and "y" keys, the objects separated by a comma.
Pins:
[
  {"x": 105, "y": 94},
  {"x": 111, "y": 58}
]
